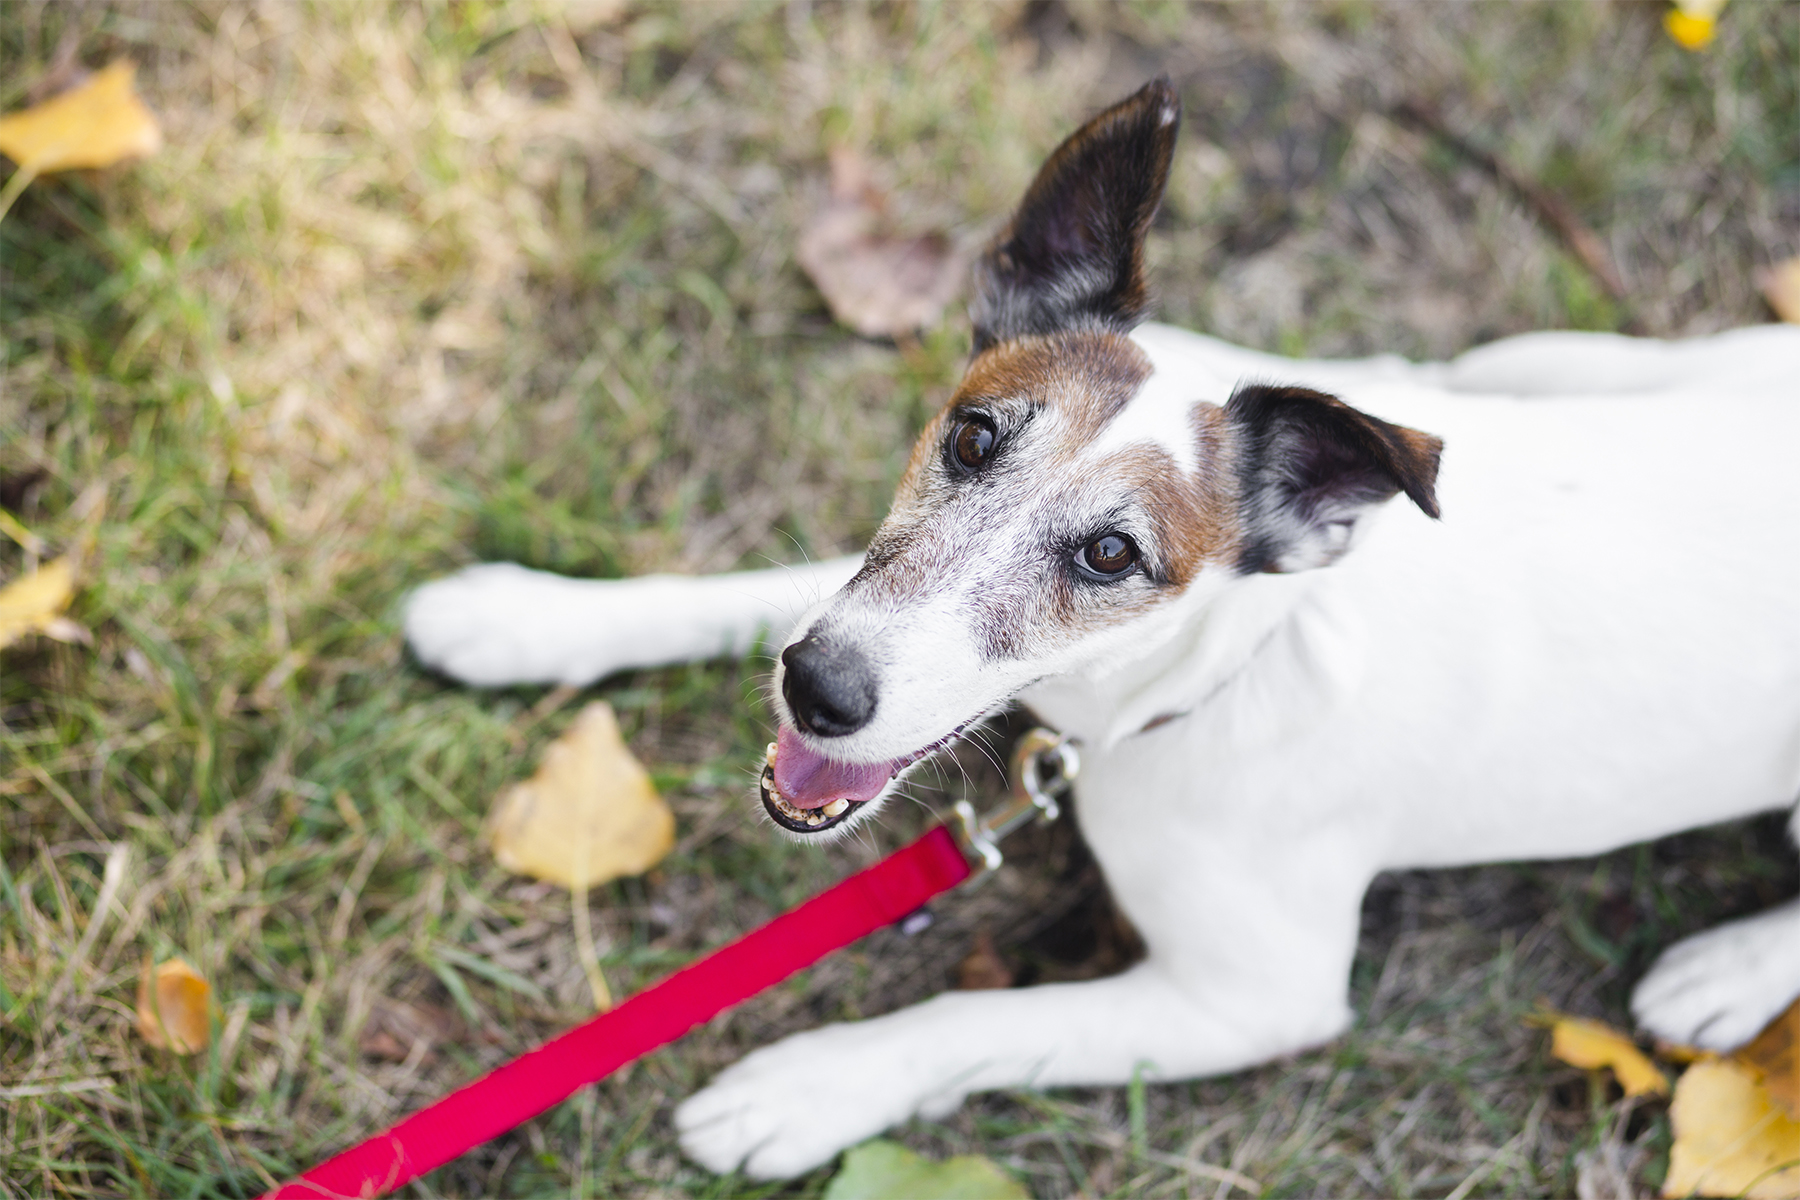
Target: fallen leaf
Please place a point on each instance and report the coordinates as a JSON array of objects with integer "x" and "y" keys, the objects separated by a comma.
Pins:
[
  {"x": 983, "y": 968},
  {"x": 879, "y": 283},
  {"x": 172, "y": 1007},
  {"x": 96, "y": 124},
  {"x": 1675, "y": 1052},
  {"x": 1780, "y": 286},
  {"x": 884, "y": 1170},
  {"x": 1774, "y": 1054},
  {"x": 1731, "y": 1139},
  {"x": 590, "y": 813},
  {"x": 1591, "y": 1044},
  {"x": 34, "y": 604},
  {"x": 1693, "y": 23}
]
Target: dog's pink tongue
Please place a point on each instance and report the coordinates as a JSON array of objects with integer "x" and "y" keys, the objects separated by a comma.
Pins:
[{"x": 807, "y": 779}]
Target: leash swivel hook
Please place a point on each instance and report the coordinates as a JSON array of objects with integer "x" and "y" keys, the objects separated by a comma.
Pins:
[{"x": 1044, "y": 766}]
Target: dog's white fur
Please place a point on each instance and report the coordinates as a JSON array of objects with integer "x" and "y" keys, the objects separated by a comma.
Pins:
[{"x": 1599, "y": 643}]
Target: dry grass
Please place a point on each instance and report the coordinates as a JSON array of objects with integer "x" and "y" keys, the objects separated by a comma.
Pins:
[{"x": 413, "y": 284}]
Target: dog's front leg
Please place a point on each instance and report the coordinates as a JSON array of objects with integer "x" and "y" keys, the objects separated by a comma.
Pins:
[
  {"x": 498, "y": 623},
  {"x": 1246, "y": 964},
  {"x": 791, "y": 1106}
]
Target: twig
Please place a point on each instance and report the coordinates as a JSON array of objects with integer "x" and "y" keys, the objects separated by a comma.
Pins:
[
  {"x": 1550, "y": 208},
  {"x": 21, "y": 179},
  {"x": 584, "y": 932},
  {"x": 585, "y": 950}
]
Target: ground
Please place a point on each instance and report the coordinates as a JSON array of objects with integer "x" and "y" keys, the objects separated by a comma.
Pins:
[{"x": 416, "y": 285}]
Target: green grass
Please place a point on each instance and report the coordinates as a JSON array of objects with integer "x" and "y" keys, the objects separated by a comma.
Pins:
[{"x": 413, "y": 285}]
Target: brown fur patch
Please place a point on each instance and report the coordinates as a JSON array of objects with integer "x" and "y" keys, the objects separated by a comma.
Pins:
[
  {"x": 1052, "y": 397},
  {"x": 1087, "y": 377},
  {"x": 1195, "y": 519},
  {"x": 1192, "y": 522}
]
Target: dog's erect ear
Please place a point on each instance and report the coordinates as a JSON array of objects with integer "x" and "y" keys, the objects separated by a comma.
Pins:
[
  {"x": 1310, "y": 466},
  {"x": 1073, "y": 255}
]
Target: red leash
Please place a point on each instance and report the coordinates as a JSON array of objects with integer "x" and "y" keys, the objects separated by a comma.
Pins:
[
  {"x": 542, "y": 1078},
  {"x": 512, "y": 1094}
]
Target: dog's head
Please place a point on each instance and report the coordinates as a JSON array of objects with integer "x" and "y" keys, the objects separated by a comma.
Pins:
[{"x": 1066, "y": 498}]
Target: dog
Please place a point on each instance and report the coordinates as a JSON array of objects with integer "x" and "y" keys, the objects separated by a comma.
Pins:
[{"x": 1307, "y": 621}]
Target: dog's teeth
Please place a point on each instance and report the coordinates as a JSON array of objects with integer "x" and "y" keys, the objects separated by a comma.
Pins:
[
  {"x": 835, "y": 808},
  {"x": 769, "y": 754}
]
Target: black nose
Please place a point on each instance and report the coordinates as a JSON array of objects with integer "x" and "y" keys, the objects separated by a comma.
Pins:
[{"x": 830, "y": 690}]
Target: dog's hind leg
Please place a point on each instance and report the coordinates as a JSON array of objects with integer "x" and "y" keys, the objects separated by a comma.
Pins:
[
  {"x": 1566, "y": 363},
  {"x": 1716, "y": 990},
  {"x": 498, "y": 623}
]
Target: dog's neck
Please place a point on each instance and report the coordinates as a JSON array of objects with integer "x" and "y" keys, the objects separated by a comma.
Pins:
[{"x": 1252, "y": 660}]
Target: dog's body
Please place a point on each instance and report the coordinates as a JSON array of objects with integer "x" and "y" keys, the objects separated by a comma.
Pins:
[{"x": 1598, "y": 643}]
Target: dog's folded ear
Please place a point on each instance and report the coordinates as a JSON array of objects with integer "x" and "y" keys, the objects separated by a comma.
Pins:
[
  {"x": 1073, "y": 254},
  {"x": 1309, "y": 466}
]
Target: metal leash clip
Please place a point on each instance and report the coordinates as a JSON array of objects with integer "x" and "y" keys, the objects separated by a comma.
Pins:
[{"x": 1044, "y": 765}]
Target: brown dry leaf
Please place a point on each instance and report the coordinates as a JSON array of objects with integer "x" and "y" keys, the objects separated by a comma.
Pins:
[
  {"x": 876, "y": 282},
  {"x": 1592, "y": 1044},
  {"x": 1774, "y": 1055},
  {"x": 590, "y": 813},
  {"x": 983, "y": 968},
  {"x": 34, "y": 604},
  {"x": 1780, "y": 286},
  {"x": 96, "y": 124},
  {"x": 1731, "y": 1139},
  {"x": 172, "y": 1007}
]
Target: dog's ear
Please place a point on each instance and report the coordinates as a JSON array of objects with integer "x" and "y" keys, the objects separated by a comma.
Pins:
[
  {"x": 1073, "y": 255},
  {"x": 1310, "y": 466}
]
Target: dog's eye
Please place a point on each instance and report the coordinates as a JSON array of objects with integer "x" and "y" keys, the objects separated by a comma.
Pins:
[
  {"x": 972, "y": 442},
  {"x": 1108, "y": 556}
]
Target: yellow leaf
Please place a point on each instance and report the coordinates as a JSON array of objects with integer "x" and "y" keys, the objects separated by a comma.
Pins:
[
  {"x": 1693, "y": 23},
  {"x": 588, "y": 815},
  {"x": 1590, "y": 1044},
  {"x": 1774, "y": 1054},
  {"x": 172, "y": 1007},
  {"x": 1781, "y": 288},
  {"x": 1730, "y": 1138},
  {"x": 34, "y": 604},
  {"x": 1675, "y": 1052},
  {"x": 1690, "y": 33},
  {"x": 94, "y": 125}
]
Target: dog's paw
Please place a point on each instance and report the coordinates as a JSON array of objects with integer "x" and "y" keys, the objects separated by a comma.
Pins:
[
  {"x": 498, "y": 623},
  {"x": 1716, "y": 990},
  {"x": 790, "y": 1107}
]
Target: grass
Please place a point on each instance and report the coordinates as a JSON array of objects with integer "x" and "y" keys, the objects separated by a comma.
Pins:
[{"x": 412, "y": 285}]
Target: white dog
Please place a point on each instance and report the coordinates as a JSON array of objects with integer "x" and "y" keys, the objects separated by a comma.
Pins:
[{"x": 1286, "y": 673}]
